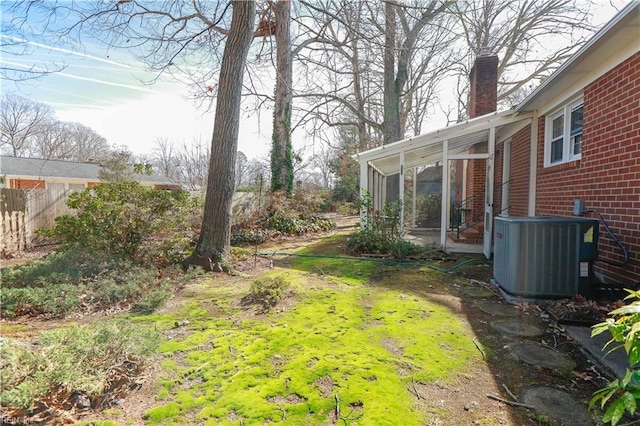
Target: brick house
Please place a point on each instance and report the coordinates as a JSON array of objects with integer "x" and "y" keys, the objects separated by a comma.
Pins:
[
  {"x": 36, "y": 173},
  {"x": 576, "y": 136}
]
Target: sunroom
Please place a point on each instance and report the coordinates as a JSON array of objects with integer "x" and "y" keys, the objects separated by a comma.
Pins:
[{"x": 452, "y": 168}]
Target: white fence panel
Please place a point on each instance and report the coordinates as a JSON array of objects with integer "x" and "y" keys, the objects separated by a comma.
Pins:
[{"x": 39, "y": 210}]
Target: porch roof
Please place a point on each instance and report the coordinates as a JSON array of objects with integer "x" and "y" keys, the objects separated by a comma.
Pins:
[{"x": 427, "y": 148}]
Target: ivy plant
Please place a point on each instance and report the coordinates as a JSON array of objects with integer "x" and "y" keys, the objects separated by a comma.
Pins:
[{"x": 621, "y": 395}]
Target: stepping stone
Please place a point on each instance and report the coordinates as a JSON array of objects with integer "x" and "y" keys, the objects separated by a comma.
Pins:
[
  {"x": 555, "y": 404},
  {"x": 498, "y": 309},
  {"x": 477, "y": 292},
  {"x": 517, "y": 328},
  {"x": 544, "y": 356}
]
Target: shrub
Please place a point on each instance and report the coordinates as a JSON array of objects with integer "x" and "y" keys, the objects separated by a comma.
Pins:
[
  {"x": 75, "y": 359},
  {"x": 126, "y": 219},
  {"x": 382, "y": 233},
  {"x": 347, "y": 208},
  {"x": 267, "y": 291},
  {"x": 280, "y": 216},
  {"x": 367, "y": 241},
  {"x": 622, "y": 394},
  {"x": 400, "y": 250}
]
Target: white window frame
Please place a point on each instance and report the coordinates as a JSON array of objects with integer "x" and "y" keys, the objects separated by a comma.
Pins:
[{"x": 567, "y": 142}]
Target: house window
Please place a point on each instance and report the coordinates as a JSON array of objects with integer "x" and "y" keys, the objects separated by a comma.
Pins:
[{"x": 563, "y": 139}]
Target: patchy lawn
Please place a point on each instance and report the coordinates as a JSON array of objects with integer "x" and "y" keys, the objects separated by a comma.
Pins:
[{"x": 352, "y": 342}]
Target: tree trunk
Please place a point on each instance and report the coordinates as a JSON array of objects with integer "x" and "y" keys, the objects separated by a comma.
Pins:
[
  {"x": 391, "y": 92},
  {"x": 391, "y": 124},
  {"x": 281, "y": 151},
  {"x": 212, "y": 250}
]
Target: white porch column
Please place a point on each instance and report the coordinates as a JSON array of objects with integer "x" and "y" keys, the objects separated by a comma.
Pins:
[
  {"x": 444, "y": 211},
  {"x": 415, "y": 194},
  {"x": 383, "y": 192},
  {"x": 364, "y": 187},
  {"x": 401, "y": 192},
  {"x": 488, "y": 196},
  {"x": 378, "y": 192}
]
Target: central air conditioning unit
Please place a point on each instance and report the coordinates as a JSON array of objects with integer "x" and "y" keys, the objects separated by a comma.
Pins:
[{"x": 544, "y": 257}]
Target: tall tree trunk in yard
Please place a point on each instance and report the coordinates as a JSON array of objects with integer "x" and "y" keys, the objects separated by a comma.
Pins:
[
  {"x": 281, "y": 151},
  {"x": 391, "y": 124},
  {"x": 391, "y": 90},
  {"x": 212, "y": 250}
]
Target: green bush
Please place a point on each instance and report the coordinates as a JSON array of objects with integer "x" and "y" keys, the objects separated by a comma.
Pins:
[
  {"x": 401, "y": 250},
  {"x": 347, "y": 208},
  {"x": 296, "y": 215},
  {"x": 367, "y": 242},
  {"x": 622, "y": 395},
  {"x": 75, "y": 359},
  {"x": 151, "y": 301},
  {"x": 267, "y": 291},
  {"x": 382, "y": 233},
  {"x": 247, "y": 236},
  {"x": 127, "y": 220}
]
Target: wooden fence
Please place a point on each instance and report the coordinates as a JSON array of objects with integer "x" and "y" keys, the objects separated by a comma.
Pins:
[{"x": 22, "y": 212}]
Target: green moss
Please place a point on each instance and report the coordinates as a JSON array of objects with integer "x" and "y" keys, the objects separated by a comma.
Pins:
[
  {"x": 368, "y": 342},
  {"x": 163, "y": 412}
]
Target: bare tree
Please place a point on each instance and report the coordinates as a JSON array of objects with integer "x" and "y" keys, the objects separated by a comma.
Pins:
[
  {"x": 51, "y": 141},
  {"x": 181, "y": 38},
  {"x": 215, "y": 235},
  {"x": 322, "y": 164},
  {"x": 86, "y": 144},
  {"x": 399, "y": 54},
  {"x": 355, "y": 87},
  {"x": 242, "y": 168},
  {"x": 341, "y": 85},
  {"x": 281, "y": 150},
  {"x": 164, "y": 156},
  {"x": 20, "y": 120},
  {"x": 191, "y": 165},
  {"x": 531, "y": 38}
]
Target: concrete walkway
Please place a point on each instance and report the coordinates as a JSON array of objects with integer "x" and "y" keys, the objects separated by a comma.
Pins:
[{"x": 432, "y": 238}]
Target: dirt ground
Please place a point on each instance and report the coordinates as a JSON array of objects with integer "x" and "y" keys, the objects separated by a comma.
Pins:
[{"x": 484, "y": 395}]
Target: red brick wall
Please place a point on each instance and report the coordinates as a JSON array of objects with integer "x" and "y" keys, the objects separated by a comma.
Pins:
[
  {"x": 26, "y": 184},
  {"x": 519, "y": 179},
  {"x": 607, "y": 176}
]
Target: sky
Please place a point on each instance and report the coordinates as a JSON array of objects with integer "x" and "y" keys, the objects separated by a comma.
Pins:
[{"x": 106, "y": 90}]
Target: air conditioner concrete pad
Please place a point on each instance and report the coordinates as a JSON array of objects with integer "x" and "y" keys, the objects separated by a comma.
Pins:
[
  {"x": 556, "y": 404},
  {"x": 497, "y": 309},
  {"x": 517, "y": 328},
  {"x": 544, "y": 356}
]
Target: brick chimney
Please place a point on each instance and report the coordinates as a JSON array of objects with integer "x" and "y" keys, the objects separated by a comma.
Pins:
[
  {"x": 483, "y": 93},
  {"x": 483, "y": 99}
]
